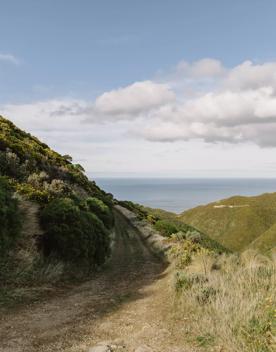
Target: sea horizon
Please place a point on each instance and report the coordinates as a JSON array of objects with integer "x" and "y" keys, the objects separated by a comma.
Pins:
[{"x": 177, "y": 194}]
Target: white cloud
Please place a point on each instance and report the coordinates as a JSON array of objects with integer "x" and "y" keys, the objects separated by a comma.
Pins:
[
  {"x": 239, "y": 106},
  {"x": 249, "y": 76},
  {"x": 9, "y": 58},
  {"x": 200, "y": 69},
  {"x": 218, "y": 116},
  {"x": 135, "y": 98},
  {"x": 216, "y": 105}
]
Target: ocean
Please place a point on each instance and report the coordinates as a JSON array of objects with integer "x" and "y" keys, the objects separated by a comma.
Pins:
[{"x": 177, "y": 195}]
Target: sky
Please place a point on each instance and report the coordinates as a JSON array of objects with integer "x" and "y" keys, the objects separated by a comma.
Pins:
[{"x": 145, "y": 88}]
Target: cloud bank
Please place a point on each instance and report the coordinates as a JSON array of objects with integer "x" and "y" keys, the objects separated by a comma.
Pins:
[
  {"x": 202, "y": 100},
  {"x": 215, "y": 104}
]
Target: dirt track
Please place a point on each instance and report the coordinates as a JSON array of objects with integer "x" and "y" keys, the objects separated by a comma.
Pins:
[{"x": 128, "y": 305}]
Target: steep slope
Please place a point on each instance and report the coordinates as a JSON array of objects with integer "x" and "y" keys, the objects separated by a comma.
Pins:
[
  {"x": 238, "y": 221},
  {"x": 72, "y": 215},
  {"x": 23, "y": 156}
]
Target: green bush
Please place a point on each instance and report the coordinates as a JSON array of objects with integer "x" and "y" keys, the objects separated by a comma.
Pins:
[
  {"x": 73, "y": 234},
  {"x": 165, "y": 227},
  {"x": 9, "y": 218},
  {"x": 102, "y": 211}
]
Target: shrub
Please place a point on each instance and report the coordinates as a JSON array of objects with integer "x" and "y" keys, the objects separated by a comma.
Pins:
[
  {"x": 179, "y": 236},
  {"x": 193, "y": 236},
  {"x": 36, "y": 180},
  {"x": 99, "y": 208},
  {"x": 9, "y": 218},
  {"x": 166, "y": 228},
  {"x": 72, "y": 234},
  {"x": 183, "y": 251},
  {"x": 57, "y": 188},
  {"x": 37, "y": 195},
  {"x": 10, "y": 165}
]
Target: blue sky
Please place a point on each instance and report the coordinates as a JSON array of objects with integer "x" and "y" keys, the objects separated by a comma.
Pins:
[
  {"x": 82, "y": 48},
  {"x": 65, "y": 56}
]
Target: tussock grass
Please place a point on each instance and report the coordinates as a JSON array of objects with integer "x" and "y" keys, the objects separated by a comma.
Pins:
[{"x": 229, "y": 301}]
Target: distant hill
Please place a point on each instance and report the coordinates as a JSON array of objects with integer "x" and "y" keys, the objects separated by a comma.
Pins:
[{"x": 238, "y": 222}]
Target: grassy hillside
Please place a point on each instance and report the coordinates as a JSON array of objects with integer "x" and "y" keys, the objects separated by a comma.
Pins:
[
  {"x": 73, "y": 215},
  {"x": 237, "y": 222}
]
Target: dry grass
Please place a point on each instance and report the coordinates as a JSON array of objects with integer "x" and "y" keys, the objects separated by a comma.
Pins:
[{"x": 229, "y": 301}]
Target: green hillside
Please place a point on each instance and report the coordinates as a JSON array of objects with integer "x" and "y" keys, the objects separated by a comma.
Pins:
[
  {"x": 238, "y": 222},
  {"x": 50, "y": 212}
]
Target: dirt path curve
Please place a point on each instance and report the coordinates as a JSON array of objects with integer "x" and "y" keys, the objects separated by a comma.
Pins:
[{"x": 128, "y": 305}]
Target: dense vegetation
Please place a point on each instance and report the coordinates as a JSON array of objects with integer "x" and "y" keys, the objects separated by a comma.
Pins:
[
  {"x": 74, "y": 214},
  {"x": 238, "y": 222}
]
